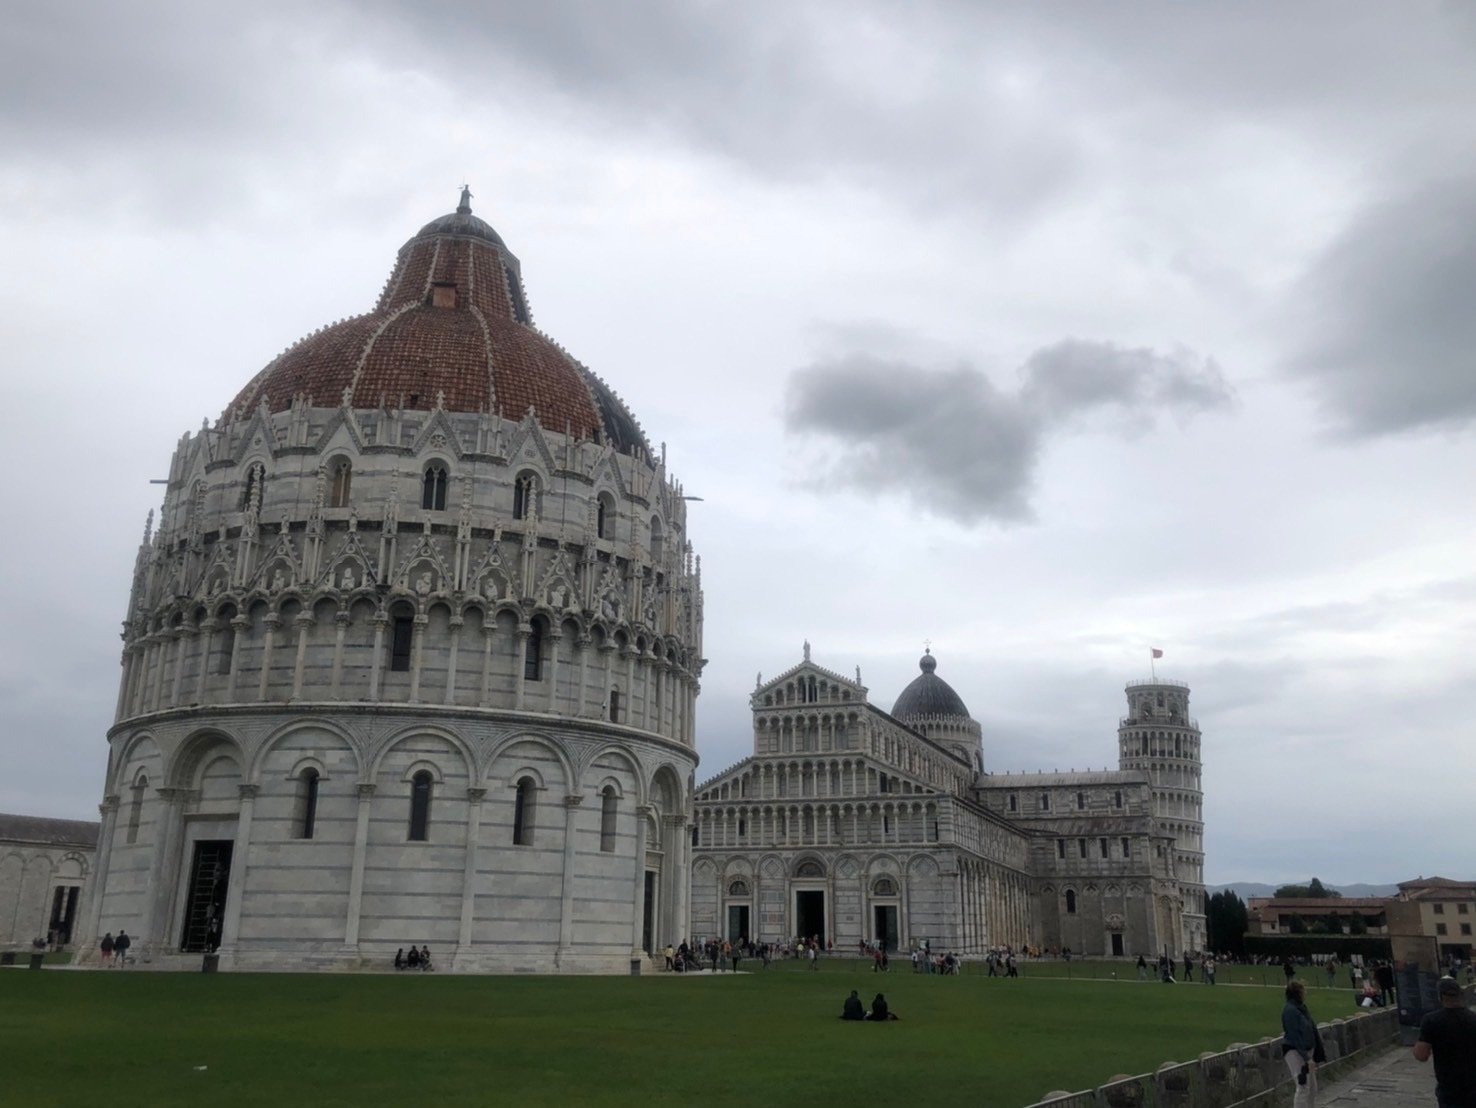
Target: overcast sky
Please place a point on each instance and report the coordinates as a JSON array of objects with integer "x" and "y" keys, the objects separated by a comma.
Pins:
[{"x": 1046, "y": 333}]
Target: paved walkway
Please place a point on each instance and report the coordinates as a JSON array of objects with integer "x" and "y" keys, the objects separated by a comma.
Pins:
[{"x": 1394, "y": 1081}]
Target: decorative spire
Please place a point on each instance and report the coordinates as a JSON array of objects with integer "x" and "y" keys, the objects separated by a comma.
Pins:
[{"x": 464, "y": 208}]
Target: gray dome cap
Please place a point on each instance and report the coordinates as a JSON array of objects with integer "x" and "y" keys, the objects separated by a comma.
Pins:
[{"x": 929, "y": 695}]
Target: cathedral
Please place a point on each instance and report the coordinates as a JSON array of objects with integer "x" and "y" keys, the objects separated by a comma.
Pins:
[
  {"x": 854, "y": 825},
  {"x": 412, "y": 657}
]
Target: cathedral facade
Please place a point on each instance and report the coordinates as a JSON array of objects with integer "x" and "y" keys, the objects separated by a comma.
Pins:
[
  {"x": 858, "y": 825},
  {"x": 412, "y": 655}
]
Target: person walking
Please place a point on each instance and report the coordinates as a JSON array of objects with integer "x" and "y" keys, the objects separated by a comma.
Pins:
[
  {"x": 1207, "y": 969},
  {"x": 1301, "y": 1047},
  {"x": 1332, "y": 971},
  {"x": 1384, "y": 975},
  {"x": 120, "y": 948},
  {"x": 106, "y": 947},
  {"x": 1142, "y": 968},
  {"x": 1448, "y": 1034}
]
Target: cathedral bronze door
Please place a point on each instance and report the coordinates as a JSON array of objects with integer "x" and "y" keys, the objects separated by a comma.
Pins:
[
  {"x": 809, "y": 913},
  {"x": 884, "y": 916},
  {"x": 737, "y": 922},
  {"x": 210, "y": 876}
]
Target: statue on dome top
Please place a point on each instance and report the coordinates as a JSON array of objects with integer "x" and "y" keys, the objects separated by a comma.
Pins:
[{"x": 464, "y": 208}]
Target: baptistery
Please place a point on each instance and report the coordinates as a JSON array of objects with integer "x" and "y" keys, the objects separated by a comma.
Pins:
[{"x": 411, "y": 656}]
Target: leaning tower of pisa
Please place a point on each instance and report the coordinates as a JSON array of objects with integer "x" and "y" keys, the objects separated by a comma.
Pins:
[{"x": 1160, "y": 737}]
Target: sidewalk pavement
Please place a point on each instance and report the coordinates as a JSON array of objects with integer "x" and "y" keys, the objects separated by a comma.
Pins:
[{"x": 1395, "y": 1080}]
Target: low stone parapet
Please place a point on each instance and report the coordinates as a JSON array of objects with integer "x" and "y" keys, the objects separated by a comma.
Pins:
[{"x": 1242, "y": 1074}]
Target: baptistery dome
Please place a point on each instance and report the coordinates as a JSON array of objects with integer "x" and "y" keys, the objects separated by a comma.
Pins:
[
  {"x": 930, "y": 707},
  {"x": 412, "y": 655}
]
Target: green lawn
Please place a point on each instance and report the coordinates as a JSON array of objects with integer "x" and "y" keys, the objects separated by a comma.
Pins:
[{"x": 139, "y": 1038}]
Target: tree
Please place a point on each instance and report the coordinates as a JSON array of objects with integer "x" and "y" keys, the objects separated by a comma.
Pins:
[
  {"x": 1315, "y": 890},
  {"x": 1228, "y": 921}
]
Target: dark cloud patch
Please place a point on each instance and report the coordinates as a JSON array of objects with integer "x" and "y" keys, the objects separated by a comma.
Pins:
[
  {"x": 1389, "y": 337},
  {"x": 947, "y": 437},
  {"x": 961, "y": 447},
  {"x": 1074, "y": 376}
]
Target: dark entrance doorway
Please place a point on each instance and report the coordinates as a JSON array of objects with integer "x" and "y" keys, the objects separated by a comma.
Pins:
[
  {"x": 648, "y": 912},
  {"x": 210, "y": 876},
  {"x": 884, "y": 917},
  {"x": 809, "y": 913},
  {"x": 1117, "y": 944},
  {"x": 737, "y": 922},
  {"x": 63, "y": 914}
]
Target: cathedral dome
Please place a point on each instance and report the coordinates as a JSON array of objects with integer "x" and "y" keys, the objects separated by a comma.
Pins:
[
  {"x": 451, "y": 330},
  {"x": 929, "y": 695}
]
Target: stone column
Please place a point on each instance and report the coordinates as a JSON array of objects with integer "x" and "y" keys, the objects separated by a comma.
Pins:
[
  {"x": 381, "y": 619},
  {"x": 642, "y": 813},
  {"x": 207, "y": 646},
  {"x": 340, "y": 632},
  {"x": 181, "y": 637},
  {"x": 356, "y": 875},
  {"x": 304, "y": 621},
  {"x": 679, "y": 879},
  {"x": 161, "y": 664},
  {"x": 456, "y": 624},
  {"x": 239, "y": 626},
  {"x": 108, "y": 810},
  {"x": 230, "y": 930},
  {"x": 581, "y": 694},
  {"x": 488, "y": 631},
  {"x": 566, "y": 910},
  {"x": 164, "y": 871},
  {"x": 272, "y": 621},
  {"x": 123, "y": 682},
  {"x": 474, "y": 798},
  {"x": 520, "y": 666}
]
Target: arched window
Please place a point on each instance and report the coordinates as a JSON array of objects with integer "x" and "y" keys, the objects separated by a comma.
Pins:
[
  {"x": 524, "y": 812},
  {"x": 135, "y": 808},
  {"x": 884, "y": 886},
  {"x": 1071, "y": 902},
  {"x": 420, "y": 806},
  {"x": 226, "y": 645},
  {"x": 605, "y": 517},
  {"x": 1045, "y": 802},
  {"x": 307, "y": 803},
  {"x": 525, "y": 495},
  {"x": 255, "y": 488},
  {"x": 342, "y": 474},
  {"x": 533, "y": 653},
  {"x": 1014, "y": 802},
  {"x": 614, "y": 705},
  {"x": 1117, "y": 799},
  {"x": 1081, "y": 801},
  {"x": 738, "y": 888},
  {"x": 433, "y": 488},
  {"x": 401, "y": 639},
  {"x": 607, "y": 819}
]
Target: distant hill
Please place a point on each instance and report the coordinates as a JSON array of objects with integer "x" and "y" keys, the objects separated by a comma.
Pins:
[{"x": 1247, "y": 889}]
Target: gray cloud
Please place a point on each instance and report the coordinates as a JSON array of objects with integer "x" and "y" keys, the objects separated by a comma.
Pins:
[
  {"x": 948, "y": 437},
  {"x": 962, "y": 447},
  {"x": 1389, "y": 336}
]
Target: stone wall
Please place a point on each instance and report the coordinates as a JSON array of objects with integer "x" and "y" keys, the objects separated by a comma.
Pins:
[{"x": 1244, "y": 1073}]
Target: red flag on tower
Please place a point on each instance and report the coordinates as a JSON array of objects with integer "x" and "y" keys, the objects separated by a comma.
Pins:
[{"x": 1156, "y": 652}]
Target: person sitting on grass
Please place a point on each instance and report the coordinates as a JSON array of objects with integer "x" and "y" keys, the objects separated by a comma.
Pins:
[
  {"x": 880, "y": 1013},
  {"x": 425, "y": 962},
  {"x": 853, "y": 1008},
  {"x": 412, "y": 960}
]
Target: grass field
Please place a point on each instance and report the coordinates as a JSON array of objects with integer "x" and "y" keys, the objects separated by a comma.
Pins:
[{"x": 138, "y": 1038}]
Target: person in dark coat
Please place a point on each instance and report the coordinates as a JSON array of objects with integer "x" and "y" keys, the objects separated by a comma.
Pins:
[
  {"x": 880, "y": 1013},
  {"x": 120, "y": 947},
  {"x": 106, "y": 946},
  {"x": 400, "y": 958},
  {"x": 853, "y": 1009},
  {"x": 1301, "y": 1046}
]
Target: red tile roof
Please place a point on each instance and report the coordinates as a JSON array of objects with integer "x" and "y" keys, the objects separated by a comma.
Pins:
[{"x": 477, "y": 353}]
